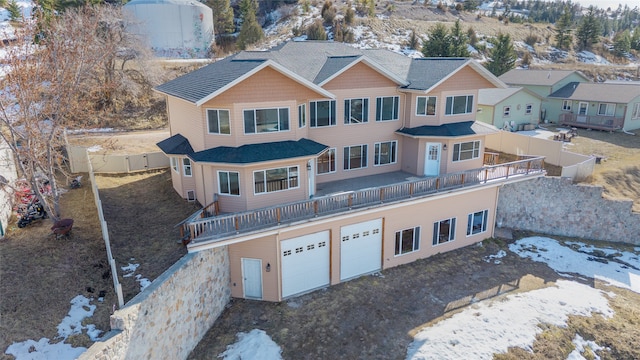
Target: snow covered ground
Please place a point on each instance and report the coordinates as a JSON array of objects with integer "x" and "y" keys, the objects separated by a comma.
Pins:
[{"x": 492, "y": 326}]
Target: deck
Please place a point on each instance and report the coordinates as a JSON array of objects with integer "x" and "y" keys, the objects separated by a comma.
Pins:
[
  {"x": 608, "y": 123},
  {"x": 347, "y": 195}
]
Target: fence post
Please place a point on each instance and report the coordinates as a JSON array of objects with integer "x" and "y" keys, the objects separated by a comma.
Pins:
[
  {"x": 437, "y": 183},
  {"x": 382, "y": 194},
  {"x": 350, "y": 201},
  {"x": 278, "y": 215},
  {"x": 315, "y": 207},
  {"x": 237, "y": 223},
  {"x": 462, "y": 179},
  {"x": 411, "y": 189},
  {"x": 508, "y": 170}
]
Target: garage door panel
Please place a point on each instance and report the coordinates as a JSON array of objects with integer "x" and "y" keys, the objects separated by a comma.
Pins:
[
  {"x": 305, "y": 263},
  {"x": 360, "y": 248}
]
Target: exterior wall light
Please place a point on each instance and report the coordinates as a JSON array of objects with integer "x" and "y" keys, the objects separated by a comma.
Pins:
[{"x": 268, "y": 268}]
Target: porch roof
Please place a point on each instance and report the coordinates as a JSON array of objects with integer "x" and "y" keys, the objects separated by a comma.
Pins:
[
  {"x": 175, "y": 145},
  {"x": 598, "y": 92},
  {"x": 254, "y": 153},
  {"x": 449, "y": 130}
]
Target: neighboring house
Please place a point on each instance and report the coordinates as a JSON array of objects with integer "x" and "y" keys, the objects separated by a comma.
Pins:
[
  {"x": 543, "y": 83},
  {"x": 8, "y": 175},
  {"x": 603, "y": 106},
  {"x": 318, "y": 162},
  {"x": 509, "y": 109}
]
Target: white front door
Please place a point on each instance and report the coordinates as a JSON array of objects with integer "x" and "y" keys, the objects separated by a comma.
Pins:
[
  {"x": 582, "y": 108},
  {"x": 360, "y": 248},
  {"x": 252, "y": 278},
  {"x": 432, "y": 159}
]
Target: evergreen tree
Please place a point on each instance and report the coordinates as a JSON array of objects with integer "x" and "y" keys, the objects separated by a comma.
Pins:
[
  {"x": 563, "y": 30},
  {"x": 459, "y": 41},
  {"x": 250, "y": 32},
  {"x": 470, "y": 5},
  {"x": 439, "y": 42},
  {"x": 588, "y": 32},
  {"x": 622, "y": 43},
  {"x": 413, "y": 41},
  {"x": 635, "y": 39},
  {"x": 503, "y": 56},
  {"x": 349, "y": 14},
  {"x": 15, "y": 12},
  {"x": 222, "y": 16}
]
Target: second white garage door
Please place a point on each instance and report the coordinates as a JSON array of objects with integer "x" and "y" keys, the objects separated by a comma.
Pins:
[
  {"x": 360, "y": 248},
  {"x": 305, "y": 263}
]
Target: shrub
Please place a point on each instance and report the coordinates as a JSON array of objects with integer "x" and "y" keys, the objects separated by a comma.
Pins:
[
  {"x": 316, "y": 31},
  {"x": 349, "y": 14},
  {"x": 531, "y": 39},
  {"x": 328, "y": 12}
]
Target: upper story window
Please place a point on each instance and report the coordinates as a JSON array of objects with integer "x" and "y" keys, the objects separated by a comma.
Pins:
[
  {"x": 385, "y": 153},
  {"x": 506, "y": 111},
  {"x": 606, "y": 109},
  {"x": 636, "y": 111},
  {"x": 477, "y": 222},
  {"x": 275, "y": 179},
  {"x": 218, "y": 121},
  {"x": 174, "y": 164},
  {"x": 327, "y": 162},
  {"x": 356, "y": 111},
  {"x": 186, "y": 166},
  {"x": 322, "y": 113},
  {"x": 355, "y": 157},
  {"x": 407, "y": 240},
  {"x": 266, "y": 120},
  {"x": 425, "y": 105},
  {"x": 529, "y": 109},
  {"x": 444, "y": 231},
  {"x": 566, "y": 105},
  {"x": 302, "y": 115},
  {"x": 387, "y": 108},
  {"x": 229, "y": 182},
  {"x": 457, "y": 105},
  {"x": 466, "y": 150}
]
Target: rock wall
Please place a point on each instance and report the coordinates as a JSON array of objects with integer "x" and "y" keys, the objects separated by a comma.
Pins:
[
  {"x": 170, "y": 317},
  {"x": 555, "y": 206}
]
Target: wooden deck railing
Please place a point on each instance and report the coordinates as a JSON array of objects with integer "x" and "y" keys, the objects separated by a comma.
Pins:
[
  {"x": 208, "y": 228},
  {"x": 598, "y": 122}
]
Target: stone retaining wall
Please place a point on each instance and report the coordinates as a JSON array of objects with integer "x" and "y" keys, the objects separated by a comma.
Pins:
[
  {"x": 170, "y": 317},
  {"x": 555, "y": 206}
]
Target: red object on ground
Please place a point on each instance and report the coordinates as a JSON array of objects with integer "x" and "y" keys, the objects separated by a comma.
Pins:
[{"x": 62, "y": 227}]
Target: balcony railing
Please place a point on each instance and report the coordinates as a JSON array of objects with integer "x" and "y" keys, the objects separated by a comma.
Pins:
[
  {"x": 591, "y": 121},
  {"x": 199, "y": 229}
]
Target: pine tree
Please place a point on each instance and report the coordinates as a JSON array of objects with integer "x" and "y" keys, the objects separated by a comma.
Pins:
[
  {"x": 459, "y": 41},
  {"x": 470, "y": 5},
  {"x": 413, "y": 41},
  {"x": 439, "y": 42},
  {"x": 222, "y": 16},
  {"x": 15, "y": 12},
  {"x": 622, "y": 43},
  {"x": 250, "y": 32},
  {"x": 563, "y": 30},
  {"x": 635, "y": 39},
  {"x": 588, "y": 32},
  {"x": 503, "y": 56}
]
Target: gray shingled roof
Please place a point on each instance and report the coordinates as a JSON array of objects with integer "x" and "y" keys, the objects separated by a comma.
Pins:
[
  {"x": 426, "y": 72},
  {"x": 334, "y": 65},
  {"x": 201, "y": 83},
  {"x": 535, "y": 77},
  {"x": 253, "y": 153},
  {"x": 598, "y": 92},
  {"x": 175, "y": 145},
  {"x": 494, "y": 96},
  {"x": 449, "y": 130}
]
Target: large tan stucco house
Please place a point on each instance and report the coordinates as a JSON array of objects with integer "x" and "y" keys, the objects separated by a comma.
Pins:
[{"x": 317, "y": 162}]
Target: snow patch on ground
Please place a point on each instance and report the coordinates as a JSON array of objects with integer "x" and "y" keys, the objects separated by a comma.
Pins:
[
  {"x": 496, "y": 258},
  {"x": 255, "y": 344},
  {"x": 581, "y": 346},
  {"x": 130, "y": 270}
]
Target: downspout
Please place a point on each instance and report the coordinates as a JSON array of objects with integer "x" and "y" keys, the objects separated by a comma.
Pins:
[{"x": 204, "y": 188}]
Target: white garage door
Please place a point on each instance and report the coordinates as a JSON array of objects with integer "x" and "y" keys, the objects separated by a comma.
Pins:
[
  {"x": 305, "y": 263},
  {"x": 360, "y": 248}
]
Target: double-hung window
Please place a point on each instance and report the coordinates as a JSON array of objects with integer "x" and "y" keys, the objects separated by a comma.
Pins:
[
  {"x": 407, "y": 241},
  {"x": 387, "y": 108},
  {"x": 356, "y": 111},
  {"x": 477, "y": 222},
  {"x": 566, "y": 105},
  {"x": 529, "y": 109},
  {"x": 272, "y": 180},
  {"x": 385, "y": 153},
  {"x": 444, "y": 231},
  {"x": 266, "y": 120},
  {"x": 228, "y": 182},
  {"x": 174, "y": 164},
  {"x": 458, "y": 105},
  {"x": 506, "y": 111},
  {"x": 327, "y": 162},
  {"x": 218, "y": 121},
  {"x": 606, "y": 109},
  {"x": 425, "y": 105},
  {"x": 322, "y": 113},
  {"x": 636, "y": 111},
  {"x": 302, "y": 115},
  {"x": 466, "y": 151},
  {"x": 355, "y": 157},
  {"x": 186, "y": 166}
]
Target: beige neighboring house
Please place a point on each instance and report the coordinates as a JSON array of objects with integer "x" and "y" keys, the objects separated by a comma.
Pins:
[
  {"x": 509, "y": 109},
  {"x": 317, "y": 162}
]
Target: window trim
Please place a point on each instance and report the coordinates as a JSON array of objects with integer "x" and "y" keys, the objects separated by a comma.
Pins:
[
  {"x": 471, "y": 217},
  {"x": 448, "y": 109},
  {"x": 365, "y": 111},
  {"x": 415, "y": 241},
  {"x": 528, "y": 109},
  {"x": 347, "y": 152},
  {"x": 186, "y": 164},
  {"x": 436, "y": 232},
  {"x": 426, "y": 105},
  {"x": 635, "y": 113},
  {"x": 566, "y": 105},
  {"x": 313, "y": 106},
  {"x": 506, "y": 111},
  {"x": 219, "y": 127},
  {"x": 608, "y": 105},
  {"x": 459, "y": 151},
  {"x": 289, "y": 187},
  {"x": 229, "y": 182},
  {"x": 380, "y": 108},
  {"x": 393, "y": 149},
  {"x": 335, "y": 162},
  {"x": 302, "y": 116},
  {"x": 174, "y": 164},
  {"x": 255, "y": 125}
]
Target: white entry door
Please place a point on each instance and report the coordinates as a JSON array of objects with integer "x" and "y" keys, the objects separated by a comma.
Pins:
[
  {"x": 360, "y": 248},
  {"x": 252, "y": 278},
  {"x": 582, "y": 108},
  {"x": 305, "y": 263},
  {"x": 432, "y": 159}
]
